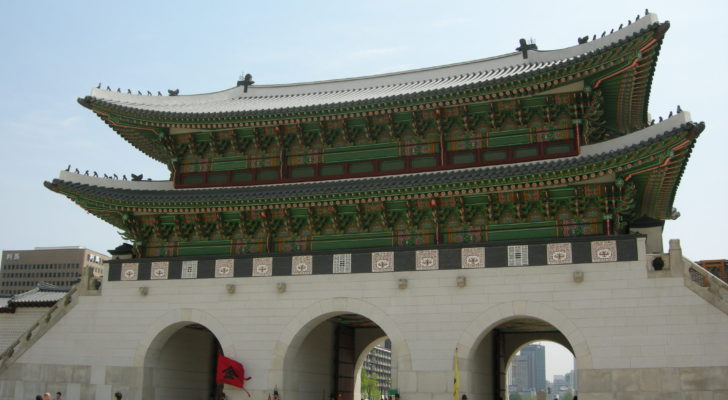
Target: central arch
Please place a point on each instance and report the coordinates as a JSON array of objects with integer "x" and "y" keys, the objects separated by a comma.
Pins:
[{"x": 310, "y": 327}]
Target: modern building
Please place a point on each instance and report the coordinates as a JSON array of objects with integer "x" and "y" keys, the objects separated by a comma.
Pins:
[
  {"x": 528, "y": 369},
  {"x": 461, "y": 211},
  {"x": 379, "y": 361},
  {"x": 22, "y": 270}
]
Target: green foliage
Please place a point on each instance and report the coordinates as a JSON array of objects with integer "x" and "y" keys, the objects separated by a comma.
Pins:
[
  {"x": 514, "y": 396},
  {"x": 566, "y": 396},
  {"x": 370, "y": 386}
]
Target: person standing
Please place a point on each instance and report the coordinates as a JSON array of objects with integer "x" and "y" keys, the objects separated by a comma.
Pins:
[{"x": 59, "y": 395}]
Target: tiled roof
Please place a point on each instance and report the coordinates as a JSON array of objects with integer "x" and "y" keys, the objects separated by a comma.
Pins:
[
  {"x": 44, "y": 294},
  {"x": 323, "y": 94},
  {"x": 589, "y": 154}
]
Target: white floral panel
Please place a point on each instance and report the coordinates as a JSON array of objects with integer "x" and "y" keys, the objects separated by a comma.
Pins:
[
  {"x": 558, "y": 253},
  {"x": 426, "y": 260},
  {"x": 383, "y": 261},
  {"x": 473, "y": 257},
  {"x": 129, "y": 271},
  {"x": 604, "y": 251},
  {"x": 263, "y": 266},
  {"x": 224, "y": 268},
  {"x": 160, "y": 270},
  {"x": 301, "y": 265}
]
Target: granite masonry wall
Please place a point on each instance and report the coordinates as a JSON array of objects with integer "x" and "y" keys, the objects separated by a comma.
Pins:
[{"x": 635, "y": 334}]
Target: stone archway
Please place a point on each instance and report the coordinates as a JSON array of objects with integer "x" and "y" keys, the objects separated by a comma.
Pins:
[
  {"x": 489, "y": 341},
  {"x": 315, "y": 326}
]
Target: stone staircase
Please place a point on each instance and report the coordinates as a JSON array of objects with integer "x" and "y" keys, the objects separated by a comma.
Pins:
[
  {"x": 86, "y": 287},
  {"x": 696, "y": 278}
]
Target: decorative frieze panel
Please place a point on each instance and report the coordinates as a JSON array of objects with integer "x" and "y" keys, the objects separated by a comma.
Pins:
[
  {"x": 342, "y": 264},
  {"x": 263, "y": 266},
  {"x": 473, "y": 257},
  {"x": 160, "y": 270},
  {"x": 532, "y": 254}
]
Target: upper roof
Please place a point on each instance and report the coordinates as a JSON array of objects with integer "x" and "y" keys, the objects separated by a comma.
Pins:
[{"x": 375, "y": 88}]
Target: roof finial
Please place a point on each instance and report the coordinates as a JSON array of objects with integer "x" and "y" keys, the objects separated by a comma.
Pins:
[
  {"x": 128, "y": 91},
  {"x": 647, "y": 11},
  {"x": 245, "y": 81},
  {"x": 99, "y": 87},
  {"x": 583, "y": 39},
  {"x": 524, "y": 47},
  {"x": 173, "y": 92},
  {"x": 108, "y": 88},
  {"x": 679, "y": 110}
]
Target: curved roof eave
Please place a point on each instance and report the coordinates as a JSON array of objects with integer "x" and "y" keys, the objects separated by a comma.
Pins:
[
  {"x": 344, "y": 92},
  {"x": 162, "y": 191}
]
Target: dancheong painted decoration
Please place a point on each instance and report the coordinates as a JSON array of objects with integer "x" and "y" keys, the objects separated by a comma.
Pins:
[{"x": 528, "y": 145}]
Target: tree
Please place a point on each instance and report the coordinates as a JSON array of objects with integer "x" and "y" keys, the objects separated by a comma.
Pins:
[{"x": 370, "y": 386}]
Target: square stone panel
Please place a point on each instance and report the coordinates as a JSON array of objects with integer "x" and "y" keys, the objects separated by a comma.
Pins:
[
  {"x": 129, "y": 271},
  {"x": 383, "y": 261},
  {"x": 342, "y": 264},
  {"x": 160, "y": 270},
  {"x": 263, "y": 266},
  {"x": 604, "y": 251},
  {"x": 189, "y": 269},
  {"x": 517, "y": 256},
  {"x": 301, "y": 265},
  {"x": 224, "y": 268},
  {"x": 473, "y": 257},
  {"x": 558, "y": 253},
  {"x": 426, "y": 260}
]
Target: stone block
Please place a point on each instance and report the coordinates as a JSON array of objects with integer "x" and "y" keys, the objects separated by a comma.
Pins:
[
  {"x": 432, "y": 382},
  {"x": 59, "y": 373},
  {"x": 7, "y": 389},
  {"x": 649, "y": 380},
  {"x": 98, "y": 374},
  {"x": 625, "y": 380},
  {"x": 73, "y": 391},
  {"x": 102, "y": 391},
  {"x": 698, "y": 395},
  {"x": 720, "y": 395},
  {"x": 595, "y": 380},
  {"x": 81, "y": 374}
]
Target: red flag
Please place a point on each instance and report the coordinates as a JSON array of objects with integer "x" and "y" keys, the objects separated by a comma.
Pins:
[{"x": 230, "y": 372}]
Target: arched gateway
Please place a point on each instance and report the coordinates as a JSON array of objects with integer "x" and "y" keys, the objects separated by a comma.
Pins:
[{"x": 464, "y": 206}]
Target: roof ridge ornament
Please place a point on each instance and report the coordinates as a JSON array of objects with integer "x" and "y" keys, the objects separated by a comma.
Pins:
[
  {"x": 524, "y": 47},
  {"x": 245, "y": 81}
]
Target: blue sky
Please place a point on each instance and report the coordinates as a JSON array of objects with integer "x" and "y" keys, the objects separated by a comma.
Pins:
[{"x": 54, "y": 52}]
